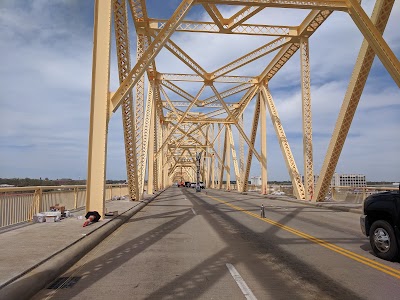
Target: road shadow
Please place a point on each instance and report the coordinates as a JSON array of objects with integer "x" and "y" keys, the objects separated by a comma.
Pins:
[{"x": 270, "y": 264}]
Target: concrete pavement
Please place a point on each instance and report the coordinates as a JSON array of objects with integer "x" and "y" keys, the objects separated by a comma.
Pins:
[
  {"x": 42, "y": 248},
  {"x": 32, "y": 256}
]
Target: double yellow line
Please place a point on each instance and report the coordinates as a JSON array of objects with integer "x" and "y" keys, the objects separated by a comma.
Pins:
[{"x": 366, "y": 261}]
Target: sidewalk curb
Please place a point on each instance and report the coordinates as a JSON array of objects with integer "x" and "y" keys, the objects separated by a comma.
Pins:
[{"x": 42, "y": 274}]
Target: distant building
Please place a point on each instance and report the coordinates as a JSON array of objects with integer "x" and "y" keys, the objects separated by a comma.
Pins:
[
  {"x": 255, "y": 180},
  {"x": 353, "y": 180}
]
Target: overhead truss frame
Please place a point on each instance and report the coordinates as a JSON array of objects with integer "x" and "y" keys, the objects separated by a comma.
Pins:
[{"x": 163, "y": 133}]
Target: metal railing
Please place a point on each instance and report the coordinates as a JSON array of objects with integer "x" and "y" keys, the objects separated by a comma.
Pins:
[
  {"x": 20, "y": 204},
  {"x": 345, "y": 194},
  {"x": 354, "y": 194}
]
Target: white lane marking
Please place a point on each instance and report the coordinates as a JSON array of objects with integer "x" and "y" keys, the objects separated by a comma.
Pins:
[
  {"x": 240, "y": 282},
  {"x": 193, "y": 212}
]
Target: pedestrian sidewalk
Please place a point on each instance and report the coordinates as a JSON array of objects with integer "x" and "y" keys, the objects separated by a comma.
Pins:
[{"x": 24, "y": 248}]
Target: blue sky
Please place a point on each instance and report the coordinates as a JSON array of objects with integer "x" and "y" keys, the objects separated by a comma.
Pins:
[{"x": 45, "y": 80}]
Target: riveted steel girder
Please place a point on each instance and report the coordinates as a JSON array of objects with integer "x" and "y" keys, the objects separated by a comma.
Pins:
[
  {"x": 379, "y": 18},
  {"x": 132, "y": 130},
  {"x": 165, "y": 138},
  {"x": 307, "y": 120},
  {"x": 243, "y": 29},
  {"x": 254, "y": 127},
  {"x": 148, "y": 56},
  {"x": 298, "y": 187},
  {"x": 99, "y": 106}
]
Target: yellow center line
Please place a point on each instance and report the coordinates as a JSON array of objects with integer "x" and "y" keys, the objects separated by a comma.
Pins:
[{"x": 364, "y": 260}]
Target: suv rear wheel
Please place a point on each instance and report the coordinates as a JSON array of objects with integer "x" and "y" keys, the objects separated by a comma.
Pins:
[{"x": 383, "y": 240}]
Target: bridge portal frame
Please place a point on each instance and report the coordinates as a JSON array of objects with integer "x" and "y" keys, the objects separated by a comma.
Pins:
[{"x": 148, "y": 136}]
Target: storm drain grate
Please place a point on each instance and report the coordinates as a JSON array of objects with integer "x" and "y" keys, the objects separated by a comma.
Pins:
[{"x": 63, "y": 283}]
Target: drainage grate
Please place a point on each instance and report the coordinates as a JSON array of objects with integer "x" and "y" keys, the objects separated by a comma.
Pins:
[{"x": 63, "y": 283}]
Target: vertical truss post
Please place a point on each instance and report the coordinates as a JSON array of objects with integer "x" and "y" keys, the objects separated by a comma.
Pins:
[
  {"x": 146, "y": 132},
  {"x": 206, "y": 179},
  {"x": 222, "y": 166},
  {"x": 211, "y": 158},
  {"x": 379, "y": 18},
  {"x": 227, "y": 150},
  {"x": 263, "y": 141},
  {"x": 139, "y": 105},
  {"x": 307, "y": 119},
  {"x": 252, "y": 140},
  {"x": 160, "y": 158},
  {"x": 99, "y": 108},
  {"x": 213, "y": 171},
  {"x": 298, "y": 187},
  {"x": 235, "y": 162},
  {"x": 166, "y": 178},
  {"x": 241, "y": 153},
  {"x": 219, "y": 165},
  {"x": 151, "y": 163},
  {"x": 128, "y": 115},
  {"x": 155, "y": 157}
]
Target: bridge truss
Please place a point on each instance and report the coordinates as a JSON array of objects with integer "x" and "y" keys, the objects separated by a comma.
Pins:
[{"x": 166, "y": 121}]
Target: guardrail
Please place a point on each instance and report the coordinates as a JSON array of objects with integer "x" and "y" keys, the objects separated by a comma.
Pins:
[
  {"x": 346, "y": 194},
  {"x": 354, "y": 194},
  {"x": 20, "y": 204}
]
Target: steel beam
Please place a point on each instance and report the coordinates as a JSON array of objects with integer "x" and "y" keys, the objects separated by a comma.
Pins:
[
  {"x": 307, "y": 119},
  {"x": 132, "y": 133},
  {"x": 150, "y": 53},
  {"x": 375, "y": 40},
  {"x": 234, "y": 157},
  {"x": 263, "y": 141},
  {"x": 151, "y": 163},
  {"x": 253, "y": 135},
  {"x": 298, "y": 187},
  {"x": 97, "y": 150},
  {"x": 379, "y": 18}
]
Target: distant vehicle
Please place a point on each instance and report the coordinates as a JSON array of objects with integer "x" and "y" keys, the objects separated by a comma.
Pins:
[
  {"x": 181, "y": 184},
  {"x": 202, "y": 186},
  {"x": 279, "y": 193},
  {"x": 193, "y": 185},
  {"x": 187, "y": 183},
  {"x": 381, "y": 222}
]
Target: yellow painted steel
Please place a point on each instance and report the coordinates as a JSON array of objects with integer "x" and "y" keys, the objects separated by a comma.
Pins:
[
  {"x": 252, "y": 141},
  {"x": 298, "y": 187},
  {"x": 234, "y": 157},
  {"x": 263, "y": 142},
  {"x": 99, "y": 108},
  {"x": 380, "y": 17},
  {"x": 128, "y": 115},
  {"x": 307, "y": 120},
  {"x": 163, "y": 134}
]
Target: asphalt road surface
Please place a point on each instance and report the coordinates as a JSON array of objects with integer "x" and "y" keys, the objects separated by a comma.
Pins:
[{"x": 215, "y": 245}]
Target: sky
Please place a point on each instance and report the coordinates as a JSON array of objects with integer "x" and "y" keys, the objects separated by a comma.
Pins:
[{"x": 45, "y": 85}]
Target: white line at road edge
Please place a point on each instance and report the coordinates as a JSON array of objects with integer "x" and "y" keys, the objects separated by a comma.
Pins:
[
  {"x": 240, "y": 282},
  {"x": 193, "y": 211}
]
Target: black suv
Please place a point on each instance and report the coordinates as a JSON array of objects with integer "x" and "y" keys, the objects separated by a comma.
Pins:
[{"x": 381, "y": 222}]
